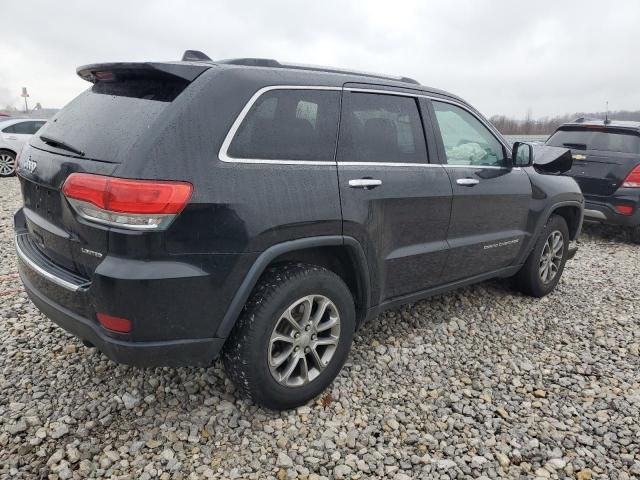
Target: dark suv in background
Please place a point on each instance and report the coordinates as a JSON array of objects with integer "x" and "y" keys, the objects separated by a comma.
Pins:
[
  {"x": 606, "y": 165},
  {"x": 176, "y": 210}
]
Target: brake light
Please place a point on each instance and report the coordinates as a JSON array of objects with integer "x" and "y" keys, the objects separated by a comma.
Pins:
[
  {"x": 104, "y": 75},
  {"x": 624, "y": 209},
  {"x": 115, "y": 324},
  {"x": 133, "y": 204},
  {"x": 633, "y": 179}
]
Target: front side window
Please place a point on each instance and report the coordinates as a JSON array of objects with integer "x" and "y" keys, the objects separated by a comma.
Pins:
[
  {"x": 289, "y": 125},
  {"x": 466, "y": 140},
  {"x": 381, "y": 128}
]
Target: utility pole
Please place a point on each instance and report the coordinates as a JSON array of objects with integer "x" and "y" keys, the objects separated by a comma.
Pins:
[{"x": 25, "y": 95}]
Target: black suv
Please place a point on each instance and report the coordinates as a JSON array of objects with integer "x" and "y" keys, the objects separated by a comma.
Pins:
[
  {"x": 174, "y": 211},
  {"x": 606, "y": 165}
]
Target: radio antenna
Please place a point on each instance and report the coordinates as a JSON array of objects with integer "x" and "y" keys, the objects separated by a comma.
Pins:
[{"x": 606, "y": 113}]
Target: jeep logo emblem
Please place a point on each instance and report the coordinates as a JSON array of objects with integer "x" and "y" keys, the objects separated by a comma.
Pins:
[{"x": 30, "y": 165}]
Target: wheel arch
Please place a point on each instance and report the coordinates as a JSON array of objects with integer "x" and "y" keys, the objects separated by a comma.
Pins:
[
  {"x": 342, "y": 255},
  {"x": 572, "y": 214}
]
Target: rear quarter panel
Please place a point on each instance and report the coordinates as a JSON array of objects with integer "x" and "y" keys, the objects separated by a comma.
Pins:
[{"x": 235, "y": 208}]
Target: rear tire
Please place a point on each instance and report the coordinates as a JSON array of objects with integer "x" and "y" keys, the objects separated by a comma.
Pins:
[
  {"x": 280, "y": 364},
  {"x": 542, "y": 271},
  {"x": 634, "y": 234},
  {"x": 7, "y": 163}
]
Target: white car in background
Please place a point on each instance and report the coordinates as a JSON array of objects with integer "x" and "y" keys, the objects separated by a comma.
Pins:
[{"x": 14, "y": 133}]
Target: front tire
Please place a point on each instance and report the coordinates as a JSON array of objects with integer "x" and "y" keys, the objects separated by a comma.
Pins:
[
  {"x": 542, "y": 271},
  {"x": 292, "y": 337},
  {"x": 7, "y": 163}
]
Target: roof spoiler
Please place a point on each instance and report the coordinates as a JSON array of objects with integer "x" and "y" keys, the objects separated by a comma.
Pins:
[{"x": 112, "y": 71}]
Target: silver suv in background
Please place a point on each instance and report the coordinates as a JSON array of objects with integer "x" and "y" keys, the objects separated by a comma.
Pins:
[{"x": 14, "y": 133}]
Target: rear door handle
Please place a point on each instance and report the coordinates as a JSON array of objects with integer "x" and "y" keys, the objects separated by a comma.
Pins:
[
  {"x": 365, "y": 183},
  {"x": 12, "y": 138},
  {"x": 468, "y": 182}
]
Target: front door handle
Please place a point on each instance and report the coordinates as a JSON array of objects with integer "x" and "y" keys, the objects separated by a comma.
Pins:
[
  {"x": 365, "y": 183},
  {"x": 12, "y": 138},
  {"x": 468, "y": 182}
]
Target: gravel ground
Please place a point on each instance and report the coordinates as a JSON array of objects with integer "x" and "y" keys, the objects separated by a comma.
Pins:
[{"x": 482, "y": 382}]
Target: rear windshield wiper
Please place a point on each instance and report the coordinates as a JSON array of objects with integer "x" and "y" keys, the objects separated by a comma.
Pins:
[{"x": 61, "y": 145}]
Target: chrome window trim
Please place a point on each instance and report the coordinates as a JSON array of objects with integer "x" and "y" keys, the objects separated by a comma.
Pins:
[
  {"x": 490, "y": 127},
  {"x": 48, "y": 275},
  {"x": 223, "y": 154},
  {"x": 389, "y": 164}
]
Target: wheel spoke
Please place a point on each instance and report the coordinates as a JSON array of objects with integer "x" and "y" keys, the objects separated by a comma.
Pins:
[
  {"x": 278, "y": 360},
  {"x": 323, "y": 303},
  {"x": 278, "y": 337},
  {"x": 293, "y": 363},
  {"x": 330, "y": 323},
  {"x": 308, "y": 308},
  {"x": 304, "y": 369},
  {"x": 316, "y": 359},
  {"x": 326, "y": 341},
  {"x": 292, "y": 321}
]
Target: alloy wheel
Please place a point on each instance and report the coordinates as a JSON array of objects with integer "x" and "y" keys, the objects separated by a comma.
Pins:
[
  {"x": 551, "y": 258},
  {"x": 7, "y": 165},
  {"x": 304, "y": 340}
]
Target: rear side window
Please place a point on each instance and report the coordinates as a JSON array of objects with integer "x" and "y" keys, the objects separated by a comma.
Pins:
[
  {"x": 601, "y": 140},
  {"x": 466, "y": 140},
  {"x": 24, "y": 128},
  {"x": 381, "y": 128},
  {"x": 289, "y": 125}
]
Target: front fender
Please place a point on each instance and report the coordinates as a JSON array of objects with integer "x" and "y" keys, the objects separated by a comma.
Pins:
[{"x": 549, "y": 194}]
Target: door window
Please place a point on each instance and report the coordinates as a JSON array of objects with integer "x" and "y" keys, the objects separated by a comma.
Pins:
[
  {"x": 289, "y": 125},
  {"x": 381, "y": 128},
  {"x": 466, "y": 140}
]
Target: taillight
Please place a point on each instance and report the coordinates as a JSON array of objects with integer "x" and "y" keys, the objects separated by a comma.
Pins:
[
  {"x": 120, "y": 202},
  {"x": 633, "y": 179},
  {"x": 624, "y": 209},
  {"x": 115, "y": 324}
]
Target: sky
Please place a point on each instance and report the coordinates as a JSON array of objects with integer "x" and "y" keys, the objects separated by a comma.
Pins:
[{"x": 503, "y": 56}]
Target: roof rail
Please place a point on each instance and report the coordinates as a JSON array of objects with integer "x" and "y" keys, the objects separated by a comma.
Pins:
[{"x": 269, "y": 62}]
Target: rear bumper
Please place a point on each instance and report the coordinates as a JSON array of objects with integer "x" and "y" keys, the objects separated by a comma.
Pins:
[
  {"x": 141, "y": 354},
  {"x": 602, "y": 209},
  {"x": 175, "y": 304}
]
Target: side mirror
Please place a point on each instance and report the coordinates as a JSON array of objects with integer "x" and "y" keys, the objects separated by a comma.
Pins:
[{"x": 522, "y": 154}]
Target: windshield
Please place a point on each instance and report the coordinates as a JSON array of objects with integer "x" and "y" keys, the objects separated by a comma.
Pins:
[{"x": 602, "y": 140}]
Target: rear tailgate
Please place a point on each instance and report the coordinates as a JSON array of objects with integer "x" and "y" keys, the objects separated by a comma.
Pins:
[
  {"x": 603, "y": 157},
  {"x": 93, "y": 134},
  {"x": 52, "y": 225}
]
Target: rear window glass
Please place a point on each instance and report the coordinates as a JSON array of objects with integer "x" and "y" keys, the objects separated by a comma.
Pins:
[
  {"x": 108, "y": 119},
  {"x": 607, "y": 141},
  {"x": 289, "y": 125}
]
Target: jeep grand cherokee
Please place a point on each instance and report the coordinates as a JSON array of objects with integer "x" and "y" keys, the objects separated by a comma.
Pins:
[{"x": 174, "y": 211}]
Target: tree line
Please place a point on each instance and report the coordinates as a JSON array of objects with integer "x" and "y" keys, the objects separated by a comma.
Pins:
[{"x": 547, "y": 125}]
